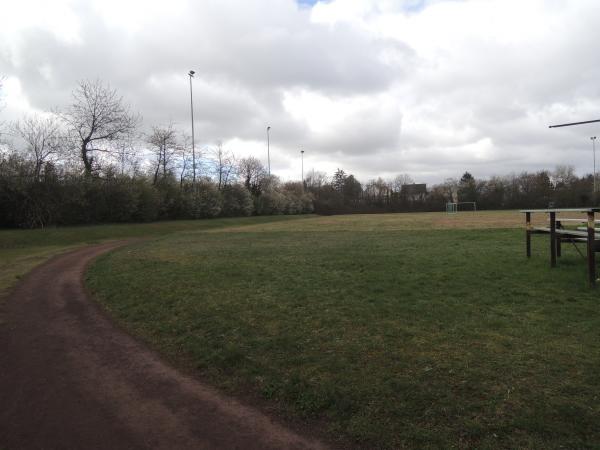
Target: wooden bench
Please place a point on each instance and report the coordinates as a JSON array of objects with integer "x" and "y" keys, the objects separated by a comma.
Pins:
[
  {"x": 582, "y": 220},
  {"x": 558, "y": 234}
]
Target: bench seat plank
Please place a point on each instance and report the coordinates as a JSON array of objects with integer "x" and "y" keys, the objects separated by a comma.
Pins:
[
  {"x": 583, "y": 220},
  {"x": 564, "y": 232}
]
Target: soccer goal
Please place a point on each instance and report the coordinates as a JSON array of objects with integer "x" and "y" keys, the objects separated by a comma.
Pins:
[{"x": 455, "y": 207}]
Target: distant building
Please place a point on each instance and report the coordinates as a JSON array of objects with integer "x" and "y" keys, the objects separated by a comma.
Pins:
[{"x": 414, "y": 192}]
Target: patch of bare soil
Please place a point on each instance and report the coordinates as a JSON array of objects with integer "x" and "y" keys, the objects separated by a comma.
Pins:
[{"x": 70, "y": 379}]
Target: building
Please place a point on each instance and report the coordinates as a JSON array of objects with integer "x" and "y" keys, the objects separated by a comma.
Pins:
[{"x": 414, "y": 192}]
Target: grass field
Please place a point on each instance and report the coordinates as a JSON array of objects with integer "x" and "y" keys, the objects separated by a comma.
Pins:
[
  {"x": 21, "y": 250},
  {"x": 388, "y": 331}
]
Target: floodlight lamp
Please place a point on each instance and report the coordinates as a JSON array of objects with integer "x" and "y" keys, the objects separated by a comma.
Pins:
[{"x": 192, "y": 73}]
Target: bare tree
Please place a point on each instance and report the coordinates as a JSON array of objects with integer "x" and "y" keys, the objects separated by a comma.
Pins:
[
  {"x": 224, "y": 166},
  {"x": 563, "y": 175},
  {"x": 1, "y": 107},
  {"x": 1, "y": 87},
  {"x": 400, "y": 180},
  {"x": 42, "y": 137},
  {"x": 185, "y": 157},
  {"x": 450, "y": 189},
  {"x": 127, "y": 156},
  {"x": 99, "y": 119},
  {"x": 166, "y": 147},
  {"x": 252, "y": 172},
  {"x": 378, "y": 190},
  {"x": 315, "y": 180}
]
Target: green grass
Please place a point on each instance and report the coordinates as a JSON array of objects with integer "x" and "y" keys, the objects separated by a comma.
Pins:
[
  {"x": 21, "y": 250},
  {"x": 381, "y": 330}
]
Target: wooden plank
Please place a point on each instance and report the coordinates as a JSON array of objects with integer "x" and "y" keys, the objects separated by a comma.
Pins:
[
  {"x": 561, "y": 231},
  {"x": 559, "y": 210},
  {"x": 582, "y": 220},
  {"x": 597, "y": 230}
]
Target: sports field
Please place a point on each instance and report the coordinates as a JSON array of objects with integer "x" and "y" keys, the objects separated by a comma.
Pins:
[
  {"x": 381, "y": 331},
  {"x": 21, "y": 250}
]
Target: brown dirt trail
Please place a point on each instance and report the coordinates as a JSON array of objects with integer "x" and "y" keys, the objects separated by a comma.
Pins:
[{"x": 71, "y": 379}]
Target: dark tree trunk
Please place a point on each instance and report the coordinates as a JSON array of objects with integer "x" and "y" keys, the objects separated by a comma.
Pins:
[{"x": 87, "y": 163}]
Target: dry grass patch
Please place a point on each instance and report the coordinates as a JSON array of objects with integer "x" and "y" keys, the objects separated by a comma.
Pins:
[{"x": 398, "y": 222}]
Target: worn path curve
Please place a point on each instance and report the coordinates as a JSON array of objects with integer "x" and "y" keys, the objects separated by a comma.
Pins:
[{"x": 70, "y": 379}]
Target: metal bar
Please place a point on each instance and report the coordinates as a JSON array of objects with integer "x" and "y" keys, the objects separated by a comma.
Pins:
[
  {"x": 574, "y": 123},
  {"x": 552, "y": 239},
  {"x": 577, "y": 248},
  {"x": 269, "y": 150},
  {"x": 591, "y": 254},
  {"x": 191, "y": 74},
  {"x": 528, "y": 233}
]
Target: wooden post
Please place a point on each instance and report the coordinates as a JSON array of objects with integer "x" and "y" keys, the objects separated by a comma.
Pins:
[
  {"x": 553, "y": 239},
  {"x": 528, "y": 233},
  {"x": 591, "y": 237},
  {"x": 558, "y": 239}
]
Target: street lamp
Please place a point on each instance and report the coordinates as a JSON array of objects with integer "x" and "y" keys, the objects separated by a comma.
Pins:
[
  {"x": 302, "y": 157},
  {"x": 593, "y": 138},
  {"x": 268, "y": 152},
  {"x": 191, "y": 74}
]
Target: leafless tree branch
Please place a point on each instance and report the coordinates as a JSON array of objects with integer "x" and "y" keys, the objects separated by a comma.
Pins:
[{"x": 98, "y": 117}]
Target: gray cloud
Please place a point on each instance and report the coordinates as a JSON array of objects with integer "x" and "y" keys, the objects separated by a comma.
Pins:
[{"x": 429, "y": 88}]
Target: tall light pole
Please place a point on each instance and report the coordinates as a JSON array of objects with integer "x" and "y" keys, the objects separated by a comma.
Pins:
[
  {"x": 268, "y": 152},
  {"x": 302, "y": 157},
  {"x": 593, "y": 138},
  {"x": 191, "y": 74}
]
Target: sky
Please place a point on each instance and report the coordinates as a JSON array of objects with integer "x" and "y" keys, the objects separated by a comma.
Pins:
[{"x": 430, "y": 88}]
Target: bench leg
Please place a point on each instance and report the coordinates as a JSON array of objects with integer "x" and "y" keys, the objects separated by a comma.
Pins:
[
  {"x": 553, "y": 239},
  {"x": 591, "y": 254},
  {"x": 528, "y": 234}
]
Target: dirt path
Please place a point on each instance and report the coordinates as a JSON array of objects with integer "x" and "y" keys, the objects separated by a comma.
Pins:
[{"x": 70, "y": 379}]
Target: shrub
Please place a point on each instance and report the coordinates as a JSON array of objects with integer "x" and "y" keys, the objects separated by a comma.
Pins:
[
  {"x": 237, "y": 201},
  {"x": 271, "y": 202},
  {"x": 148, "y": 202},
  {"x": 205, "y": 201}
]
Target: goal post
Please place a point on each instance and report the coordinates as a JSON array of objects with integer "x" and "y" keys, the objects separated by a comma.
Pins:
[{"x": 455, "y": 207}]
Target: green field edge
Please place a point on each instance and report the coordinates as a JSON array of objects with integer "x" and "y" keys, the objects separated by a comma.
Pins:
[
  {"x": 248, "y": 391},
  {"x": 23, "y": 250}
]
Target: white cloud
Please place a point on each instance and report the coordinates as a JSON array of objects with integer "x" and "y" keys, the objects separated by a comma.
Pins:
[
  {"x": 432, "y": 88},
  {"x": 58, "y": 17},
  {"x": 14, "y": 98}
]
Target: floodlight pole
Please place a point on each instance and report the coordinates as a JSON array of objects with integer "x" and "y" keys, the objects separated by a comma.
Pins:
[
  {"x": 268, "y": 151},
  {"x": 593, "y": 138},
  {"x": 191, "y": 74},
  {"x": 302, "y": 158}
]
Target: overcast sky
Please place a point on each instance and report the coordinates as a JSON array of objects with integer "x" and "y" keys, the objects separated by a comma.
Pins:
[{"x": 428, "y": 88}]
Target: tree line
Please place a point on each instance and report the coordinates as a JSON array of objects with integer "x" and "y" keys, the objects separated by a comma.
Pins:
[
  {"x": 88, "y": 163},
  {"x": 344, "y": 194}
]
